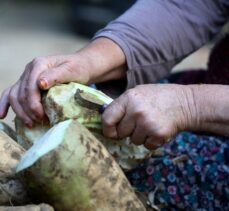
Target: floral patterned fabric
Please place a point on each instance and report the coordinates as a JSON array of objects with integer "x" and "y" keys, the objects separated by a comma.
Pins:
[{"x": 191, "y": 173}]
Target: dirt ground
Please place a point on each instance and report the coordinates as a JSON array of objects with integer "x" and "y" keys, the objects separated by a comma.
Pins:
[{"x": 37, "y": 30}]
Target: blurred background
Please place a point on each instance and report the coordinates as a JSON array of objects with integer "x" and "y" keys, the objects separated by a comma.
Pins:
[{"x": 30, "y": 28}]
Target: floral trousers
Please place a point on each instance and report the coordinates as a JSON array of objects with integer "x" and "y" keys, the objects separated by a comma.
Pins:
[{"x": 191, "y": 173}]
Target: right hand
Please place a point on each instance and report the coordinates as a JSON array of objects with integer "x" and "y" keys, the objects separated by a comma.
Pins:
[
  {"x": 151, "y": 114},
  {"x": 42, "y": 73}
]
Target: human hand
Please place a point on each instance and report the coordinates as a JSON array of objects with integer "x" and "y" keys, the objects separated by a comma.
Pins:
[
  {"x": 42, "y": 73},
  {"x": 150, "y": 114},
  {"x": 94, "y": 63}
]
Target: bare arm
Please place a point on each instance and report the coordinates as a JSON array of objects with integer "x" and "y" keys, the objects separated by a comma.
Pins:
[
  {"x": 101, "y": 60},
  {"x": 149, "y": 38},
  {"x": 212, "y": 106},
  {"x": 153, "y": 114},
  {"x": 106, "y": 60},
  {"x": 155, "y": 35}
]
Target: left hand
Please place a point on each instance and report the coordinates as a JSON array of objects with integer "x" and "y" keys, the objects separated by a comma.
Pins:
[
  {"x": 150, "y": 114},
  {"x": 101, "y": 60}
]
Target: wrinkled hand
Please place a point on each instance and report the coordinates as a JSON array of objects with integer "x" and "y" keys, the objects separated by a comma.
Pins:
[
  {"x": 42, "y": 73},
  {"x": 150, "y": 114},
  {"x": 101, "y": 60}
]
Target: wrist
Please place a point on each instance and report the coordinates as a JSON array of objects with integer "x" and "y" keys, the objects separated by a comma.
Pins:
[
  {"x": 102, "y": 60},
  {"x": 189, "y": 109},
  {"x": 212, "y": 106}
]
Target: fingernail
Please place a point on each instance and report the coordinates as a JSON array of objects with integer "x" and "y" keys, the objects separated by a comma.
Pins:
[
  {"x": 43, "y": 83},
  {"x": 38, "y": 117},
  {"x": 29, "y": 125}
]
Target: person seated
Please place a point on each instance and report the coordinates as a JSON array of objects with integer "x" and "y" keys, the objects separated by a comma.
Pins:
[{"x": 125, "y": 60}]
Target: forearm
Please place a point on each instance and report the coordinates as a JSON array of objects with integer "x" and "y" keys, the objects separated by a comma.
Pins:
[
  {"x": 210, "y": 106},
  {"x": 156, "y": 35},
  {"x": 104, "y": 60}
]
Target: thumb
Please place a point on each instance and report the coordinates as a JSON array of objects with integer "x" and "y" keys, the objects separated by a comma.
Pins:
[
  {"x": 57, "y": 75},
  {"x": 112, "y": 116}
]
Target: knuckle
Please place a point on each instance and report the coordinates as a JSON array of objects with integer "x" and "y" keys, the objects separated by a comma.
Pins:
[
  {"x": 12, "y": 97},
  {"x": 39, "y": 61}
]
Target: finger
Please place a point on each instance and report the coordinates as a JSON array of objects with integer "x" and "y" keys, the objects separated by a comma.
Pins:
[
  {"x": 112, "y": 116},
  {"x": 13, "y": 100},
  {"x": 4, "y": 103},
  {"x": 145, "y": 128},
  {"x": 31, "y": 93},
  {"x": 139, "y": 136},
  {"x": 23, "y": 92},
  {"x": 125, "y": 127},
  {"x": 153, "y": 143},
  {"x": 58, "y": 75}
]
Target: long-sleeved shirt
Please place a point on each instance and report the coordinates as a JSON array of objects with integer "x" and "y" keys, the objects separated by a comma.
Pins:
[{"x": 157, "y": 34}]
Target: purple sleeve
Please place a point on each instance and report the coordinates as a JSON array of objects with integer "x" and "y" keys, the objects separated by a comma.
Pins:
[{"x": 157, "y": 34}]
